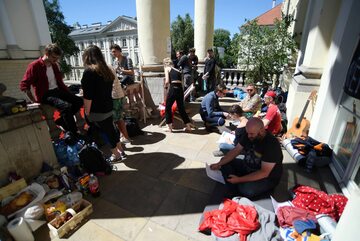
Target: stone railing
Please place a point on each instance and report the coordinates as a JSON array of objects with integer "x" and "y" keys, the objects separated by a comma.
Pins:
[
  {"x": 74, "y": 77},
  {"x": 233, "y": 77}
]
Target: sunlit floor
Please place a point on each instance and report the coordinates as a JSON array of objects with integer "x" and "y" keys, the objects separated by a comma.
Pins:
[{"x": 160, "y": 191}]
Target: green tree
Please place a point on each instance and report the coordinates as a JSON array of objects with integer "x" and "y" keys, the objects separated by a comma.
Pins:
[
  {"x": 182, "y": 34},
  {"x": 263, "y": 50},
  {"x": 59, "y": 32},
  {"x": 222, "y": 38}
]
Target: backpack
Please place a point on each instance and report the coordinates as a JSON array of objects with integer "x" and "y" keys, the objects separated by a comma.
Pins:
[
  {"x": 93, "y": 160},
  {"x": 132, "y": 127}
]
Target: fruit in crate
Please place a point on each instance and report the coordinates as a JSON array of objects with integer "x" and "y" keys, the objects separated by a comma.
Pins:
[{"x": 17, "y": 203}]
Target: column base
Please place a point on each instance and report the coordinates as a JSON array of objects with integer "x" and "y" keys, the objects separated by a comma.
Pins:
[{"x": 15, "y": 52}]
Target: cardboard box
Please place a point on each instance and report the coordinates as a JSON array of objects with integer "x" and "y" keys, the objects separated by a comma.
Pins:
[
  {"x": 12, "y": 188},
  {"x": 83, "y": 209}
]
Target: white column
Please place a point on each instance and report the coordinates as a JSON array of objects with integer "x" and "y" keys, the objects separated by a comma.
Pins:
[
  {"x": 204, "y": 26},
  {"x": 321, "y": 26},
  {"x": 13, "y": 49},
  {"x": 153, "y": 21},
  {"x": 42, "y": 26},
  {"x": 344, "y": 42}
]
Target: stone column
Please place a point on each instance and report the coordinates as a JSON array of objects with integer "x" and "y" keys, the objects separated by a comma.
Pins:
[
  {"x": 153, "y": 21},
  {"x": 204, "y": 27},
  {"x": 317, "y": 36},
  {"x": 13, "y": 50},
  {"x": 42, "y": 26}
]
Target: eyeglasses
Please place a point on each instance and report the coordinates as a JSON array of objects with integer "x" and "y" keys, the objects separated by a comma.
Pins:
[{"x": 249, "y": 90}]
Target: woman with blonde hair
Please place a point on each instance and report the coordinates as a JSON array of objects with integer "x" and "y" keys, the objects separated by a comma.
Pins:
[
  {"x": 97, "y": 83},
  {"x": 176, "y": 93}
]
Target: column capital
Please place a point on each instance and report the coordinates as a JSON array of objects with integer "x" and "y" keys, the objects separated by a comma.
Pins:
[{"x": 310, "y": 73}]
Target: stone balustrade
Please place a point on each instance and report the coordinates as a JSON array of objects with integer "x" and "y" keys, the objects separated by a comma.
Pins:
[{"x": 233, "y": 77}]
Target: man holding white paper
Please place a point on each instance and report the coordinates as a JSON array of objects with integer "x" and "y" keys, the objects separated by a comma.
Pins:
[{"x": 260, "y": 170}]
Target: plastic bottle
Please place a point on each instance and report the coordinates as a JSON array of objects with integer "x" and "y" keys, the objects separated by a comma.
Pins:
[
  {"x": 72, "y": 154},
  {"x": 94, "y": 186}
]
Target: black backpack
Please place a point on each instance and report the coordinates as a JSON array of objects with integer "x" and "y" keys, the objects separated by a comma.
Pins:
[
  {"x": 93, "y": 160},
  {"x": 132, "y": 127}
]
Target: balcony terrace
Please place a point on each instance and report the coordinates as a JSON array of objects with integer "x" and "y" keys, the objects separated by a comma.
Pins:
[{"x": 160, "y": 191}]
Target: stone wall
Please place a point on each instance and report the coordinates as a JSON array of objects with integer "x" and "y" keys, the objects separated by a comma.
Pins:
[{"x": 11, "y": 73}]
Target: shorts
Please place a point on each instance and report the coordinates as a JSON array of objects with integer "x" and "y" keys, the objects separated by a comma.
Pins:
[{"x": 118, "y": 110}]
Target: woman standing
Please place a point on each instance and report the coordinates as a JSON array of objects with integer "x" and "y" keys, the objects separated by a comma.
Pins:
[
  {"x": 176, "y": 93},
  {"x": 97, "y": 83}
]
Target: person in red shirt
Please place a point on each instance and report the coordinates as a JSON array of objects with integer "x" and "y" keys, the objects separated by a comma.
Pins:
[
  {"x": 272, "y": 119},
  {"x": 46, "y": 79}
]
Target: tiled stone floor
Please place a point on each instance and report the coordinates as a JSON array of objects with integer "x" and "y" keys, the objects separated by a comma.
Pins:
[{"x": 160, "y": 191}]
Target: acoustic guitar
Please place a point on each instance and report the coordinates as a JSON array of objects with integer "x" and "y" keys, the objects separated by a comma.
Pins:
[{"x": 301, "y": 125}]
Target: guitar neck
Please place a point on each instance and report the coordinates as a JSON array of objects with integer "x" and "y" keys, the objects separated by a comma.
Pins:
[{"x": 303, "y": 112}]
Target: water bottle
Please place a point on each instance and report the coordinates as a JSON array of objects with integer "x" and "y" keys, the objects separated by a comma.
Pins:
[
  {"x": 61, "y": 152},
  {"x": 94, "y": 186},
  {"x": 72, "y": 154}
]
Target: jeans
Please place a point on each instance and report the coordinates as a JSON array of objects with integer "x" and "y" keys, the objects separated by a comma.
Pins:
[
  {"x": 68, "y": 105},
  {"x": 176, "y": 93},
  {"x": 226, "y": 147},
  {"x": 246, "y": 189}
]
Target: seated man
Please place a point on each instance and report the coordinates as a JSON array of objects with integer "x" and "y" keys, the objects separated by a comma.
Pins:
[
  {"x": 260, "y": 170},
  {"x": 45, "y": 77},
  {"x": 272, "y": 118},
  {"x": 210, "y": 110},
  {"x": 252, "y": 102}
]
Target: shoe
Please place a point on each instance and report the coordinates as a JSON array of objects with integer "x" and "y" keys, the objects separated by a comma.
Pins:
[
  {"x": 218, "y": 153},
  {"x": 124, "y": 140},
  {"x": 113, "y": 159},
  {"x": 123, "y": 155},
  {"x": 189, "y": 127}
]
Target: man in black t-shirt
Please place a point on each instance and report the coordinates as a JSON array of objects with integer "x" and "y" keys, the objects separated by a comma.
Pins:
[{"x": 261, "y": 168}]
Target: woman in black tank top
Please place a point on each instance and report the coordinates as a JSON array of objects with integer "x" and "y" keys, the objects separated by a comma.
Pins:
[{"x": 176, "y": 93}]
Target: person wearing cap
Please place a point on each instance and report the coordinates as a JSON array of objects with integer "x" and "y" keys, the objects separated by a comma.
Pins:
[
  {"x": 252, "y": 101},
  {"x": 272, "y": 119},
  {"x": 210, "y": 111}
]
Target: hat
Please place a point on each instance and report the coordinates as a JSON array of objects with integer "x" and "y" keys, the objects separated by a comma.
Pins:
[{"x": 271, "y": 93}]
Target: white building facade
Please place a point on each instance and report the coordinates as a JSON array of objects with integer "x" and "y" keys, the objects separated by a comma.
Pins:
[{"x": 121, "y": 31}]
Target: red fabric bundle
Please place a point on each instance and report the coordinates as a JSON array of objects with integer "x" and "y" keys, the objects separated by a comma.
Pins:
[
  {"x": 319, "y": 202},
  {"x": 173, "y": 109},
  {"x": 287, "y": 215},
  {"x": 233, "y": 218}
]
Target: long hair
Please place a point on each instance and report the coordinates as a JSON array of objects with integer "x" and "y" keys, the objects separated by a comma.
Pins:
[{"x": 94, "y": 59}]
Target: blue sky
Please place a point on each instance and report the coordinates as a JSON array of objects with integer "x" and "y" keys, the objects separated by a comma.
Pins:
[{"x": 229, "y": 14}]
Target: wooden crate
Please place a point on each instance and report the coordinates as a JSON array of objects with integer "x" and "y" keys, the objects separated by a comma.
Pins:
[
  {"x": 12, "y": 188},
  {"x": 83, "y": 209}
]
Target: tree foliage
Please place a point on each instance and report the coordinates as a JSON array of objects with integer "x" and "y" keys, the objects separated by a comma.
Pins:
[
  {"x": 222, "y": 39},
  {"x": 182, "y": 34},
  {"x": 263, "y": 50},
  {"x": 59, "y": 32}
]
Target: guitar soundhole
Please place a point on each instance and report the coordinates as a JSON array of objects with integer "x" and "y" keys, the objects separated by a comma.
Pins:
[{"x": 297, "y": 125}]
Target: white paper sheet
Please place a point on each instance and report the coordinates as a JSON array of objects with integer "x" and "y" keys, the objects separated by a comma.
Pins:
[
  {"x": 278, "y": 205},
  {"x": 214, "y": 174},
  {"x": 226, "y": 136}
]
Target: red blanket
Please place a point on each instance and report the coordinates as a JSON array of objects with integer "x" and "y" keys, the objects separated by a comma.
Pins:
[{"x": 232, "y": 218}]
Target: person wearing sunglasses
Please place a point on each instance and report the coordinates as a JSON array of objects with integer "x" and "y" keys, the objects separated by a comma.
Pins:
[
  {"x": 252, "y": 102},
  {"x": 210, "y": 111}
]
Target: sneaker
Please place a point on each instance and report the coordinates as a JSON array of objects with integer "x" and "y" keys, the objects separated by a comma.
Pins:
[
  {"x": 124, "y": 140},
  {"x": 123, "y": 155},
  {"x": 218, "y": 153},
  {"x": 114, "y": 159}
]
